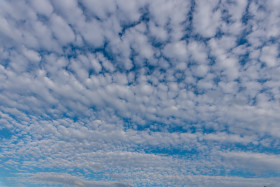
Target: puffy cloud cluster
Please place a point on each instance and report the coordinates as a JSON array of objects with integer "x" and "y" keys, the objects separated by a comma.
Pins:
[{"x": 158, "y": 92}]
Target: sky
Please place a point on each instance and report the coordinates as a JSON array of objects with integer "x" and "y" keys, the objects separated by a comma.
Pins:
[{"x": 119, "y": 93}]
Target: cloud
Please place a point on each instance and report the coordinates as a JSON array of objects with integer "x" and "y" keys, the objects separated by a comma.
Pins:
[
  {"x": 253, "y": 161},
  {"x": 43, "y": 7},
  {"x": 139, "y": 92},
  {"x": 206, "y": 19},
  {"x": 66, "y": 179}
]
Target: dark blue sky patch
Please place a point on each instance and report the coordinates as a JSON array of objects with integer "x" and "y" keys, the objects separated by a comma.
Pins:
[{"x": 5, "y": 133}]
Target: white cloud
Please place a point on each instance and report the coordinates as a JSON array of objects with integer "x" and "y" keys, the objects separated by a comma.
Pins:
[
  {"x": 66, "y": 179},
  {"x": 176, "y": 51},
  {"x": 61, "y": 30},
  {"x": 43, "y": 7},
  {"x": 254, "y": 162},
  {"x": 31, "y": 55},
  {"x": 269, "y": 55},
  {"x": 207, "y": 18}
]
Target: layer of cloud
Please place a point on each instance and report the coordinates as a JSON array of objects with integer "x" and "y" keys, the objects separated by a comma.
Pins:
[{"x": 129, "y": 92}]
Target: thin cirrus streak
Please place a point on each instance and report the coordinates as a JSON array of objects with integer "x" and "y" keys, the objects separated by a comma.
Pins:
[{"x": 139, "y": 93}]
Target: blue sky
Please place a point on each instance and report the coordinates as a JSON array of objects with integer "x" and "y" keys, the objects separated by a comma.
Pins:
[{"x": 140, "y": 93}]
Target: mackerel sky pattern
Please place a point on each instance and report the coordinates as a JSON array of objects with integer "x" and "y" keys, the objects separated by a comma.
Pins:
[{"x": 140, "y": 93}]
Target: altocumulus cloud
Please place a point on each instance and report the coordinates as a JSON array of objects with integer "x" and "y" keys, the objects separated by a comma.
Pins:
[{"x": 139, "y": 93}]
